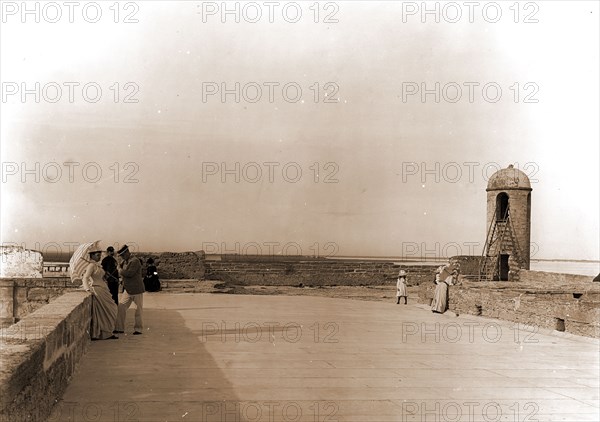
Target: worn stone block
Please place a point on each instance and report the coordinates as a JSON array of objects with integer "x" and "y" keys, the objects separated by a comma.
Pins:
[
  {"x": 38, "y": 294},
  {"x": 20, "y": 262},
  {"x": 6, "y": 301}
]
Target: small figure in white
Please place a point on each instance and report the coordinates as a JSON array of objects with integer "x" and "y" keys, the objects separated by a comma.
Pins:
[{"x": 401, "y": 287}]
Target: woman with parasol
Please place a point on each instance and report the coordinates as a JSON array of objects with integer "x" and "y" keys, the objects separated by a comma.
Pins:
[{"x": 85, "y": 266}]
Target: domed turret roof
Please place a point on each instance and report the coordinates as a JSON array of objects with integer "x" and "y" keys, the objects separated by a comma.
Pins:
[{"x": 509, "y": 178}]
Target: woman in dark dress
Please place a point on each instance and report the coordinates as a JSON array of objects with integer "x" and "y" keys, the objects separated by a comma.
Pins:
[{"x": 151, "y": 281}]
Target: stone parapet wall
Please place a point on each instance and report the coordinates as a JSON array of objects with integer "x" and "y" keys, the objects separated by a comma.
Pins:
[
  {"x": 39, "y": 355},
  {"x": 469, "y": 265},
  {"x": 316, "y": 272},
  {"x": 21, "y": 296},
  {"x": 572, "y": 305},
  {"x": 175, "y": 265},
  {"x": 528, "y": 276}
]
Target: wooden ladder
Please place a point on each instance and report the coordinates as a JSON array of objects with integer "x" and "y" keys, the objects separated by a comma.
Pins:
[{"x": 499, "y": 233}]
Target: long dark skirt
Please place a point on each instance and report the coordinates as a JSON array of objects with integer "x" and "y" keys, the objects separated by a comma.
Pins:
[{"x": 152, "y": 283}]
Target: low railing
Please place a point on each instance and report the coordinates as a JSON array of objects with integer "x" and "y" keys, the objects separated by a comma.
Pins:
[{"x": 55, "y": 269}]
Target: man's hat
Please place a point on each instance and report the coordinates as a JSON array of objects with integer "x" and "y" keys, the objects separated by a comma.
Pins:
[
  {"x": 401, "y": 273},
  {"x": 110, "y": 249},
  {"x": 123, "y": 249}
]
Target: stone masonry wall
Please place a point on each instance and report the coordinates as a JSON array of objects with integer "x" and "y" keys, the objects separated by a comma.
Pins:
[
  {"x": 561, "y": 302},
  {"x": 469, "y": 265},
  {"x": 175, "y": 265},
  {"x": 553, "y": 279},
  {"x": 316, "y": 272},
  {"x": 21, "y": 296},
  {"x": 39, "y": 355}
]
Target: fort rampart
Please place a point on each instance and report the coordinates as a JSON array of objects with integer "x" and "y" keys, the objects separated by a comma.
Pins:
[
  {"x": 39, "y": 355},
  {"x": 562, "y": 302}
]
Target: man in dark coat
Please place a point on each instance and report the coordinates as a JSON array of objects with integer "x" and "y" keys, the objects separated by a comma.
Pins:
[{"x": 109, "y": 265}]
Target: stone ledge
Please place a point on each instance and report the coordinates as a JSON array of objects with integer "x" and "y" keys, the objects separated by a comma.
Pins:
[
  {"x": 20, "y": 297},
  {"x": 543, "y": 287},
  {"x": 528, "y": 276},
  {"x": 572, "y": 306},
  {"x": 39, "y": 354}
]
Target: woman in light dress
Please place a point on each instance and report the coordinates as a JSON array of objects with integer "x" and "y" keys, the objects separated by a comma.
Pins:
[
  {"x": 104, "y": 309},
  {"x": 401, "y": 287},
  {"x": 444, "y": 278}
]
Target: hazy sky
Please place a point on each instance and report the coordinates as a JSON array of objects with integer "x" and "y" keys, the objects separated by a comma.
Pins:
[{"x": 340, "y": 153}]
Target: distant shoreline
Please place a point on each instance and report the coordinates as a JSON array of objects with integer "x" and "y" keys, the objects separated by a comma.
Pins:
[
  {"x": 53, "y": 258},
  {"x": 421, "y": 259},
  {"x": 567, "y": 260}
]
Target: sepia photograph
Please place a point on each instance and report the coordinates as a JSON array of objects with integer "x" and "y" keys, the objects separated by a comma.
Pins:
[{"x": 300, "y": 211}]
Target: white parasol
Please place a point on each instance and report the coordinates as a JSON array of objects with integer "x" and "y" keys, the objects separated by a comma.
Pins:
[{"x": 80, "y": 259}]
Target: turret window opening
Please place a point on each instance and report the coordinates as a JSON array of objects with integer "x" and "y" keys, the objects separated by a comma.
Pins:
[{"x": 502, "y": 207}]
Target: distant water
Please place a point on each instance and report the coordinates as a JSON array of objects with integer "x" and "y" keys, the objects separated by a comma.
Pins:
[
  {"x": 591, "y": 268},
  {"x": 394, "y": 259}
]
